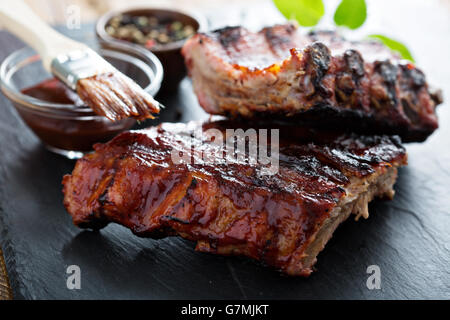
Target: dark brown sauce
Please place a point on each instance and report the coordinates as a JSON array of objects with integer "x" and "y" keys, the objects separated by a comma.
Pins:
[
  {"x": 68, "y": 131},
  {"x": 54, "y": 91}
]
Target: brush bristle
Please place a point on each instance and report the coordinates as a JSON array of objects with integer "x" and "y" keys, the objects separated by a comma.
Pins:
[{"x": 116, "y": 97}]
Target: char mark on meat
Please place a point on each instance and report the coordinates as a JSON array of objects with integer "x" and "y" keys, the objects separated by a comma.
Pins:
[{"x": 228, "y": 36}]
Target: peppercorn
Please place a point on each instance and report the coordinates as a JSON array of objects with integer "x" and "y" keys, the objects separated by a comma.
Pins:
[{"x": 147, "y": 31}]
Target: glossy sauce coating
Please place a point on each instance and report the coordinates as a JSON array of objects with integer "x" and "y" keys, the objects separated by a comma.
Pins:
[
  {"x": 61, "y": 128},
  {"x": 54, "y": 91},
  {"x": 228, "y": 208}
]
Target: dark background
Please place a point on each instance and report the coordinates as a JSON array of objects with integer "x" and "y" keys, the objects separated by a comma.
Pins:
[{"x": 408, "y": 238}]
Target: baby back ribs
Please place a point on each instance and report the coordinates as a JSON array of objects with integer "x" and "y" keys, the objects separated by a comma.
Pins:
[
  {"x": 232, "y": 207},
  {"x": 317, "y": 78}
]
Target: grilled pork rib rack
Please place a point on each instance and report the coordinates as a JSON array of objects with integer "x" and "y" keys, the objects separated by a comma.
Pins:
[
  {"x": 316, "y": 78},
  {"x": 283, "y": 220}
]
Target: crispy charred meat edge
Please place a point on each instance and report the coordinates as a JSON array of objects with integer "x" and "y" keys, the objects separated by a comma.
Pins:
[{"x": 382, "y": 97}]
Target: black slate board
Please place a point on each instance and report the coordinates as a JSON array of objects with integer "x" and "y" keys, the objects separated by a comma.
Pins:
[{"x": 408, "y": 238}]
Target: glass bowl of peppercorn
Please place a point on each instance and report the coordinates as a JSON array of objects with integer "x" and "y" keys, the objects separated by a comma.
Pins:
[{"x": 160, "y": 30}]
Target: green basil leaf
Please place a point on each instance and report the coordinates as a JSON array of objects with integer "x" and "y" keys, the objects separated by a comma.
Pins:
[
  {"x": 306, "y": 12},
  {"x": 351, "y": 13},
  {"x": 394, "y": 45}
]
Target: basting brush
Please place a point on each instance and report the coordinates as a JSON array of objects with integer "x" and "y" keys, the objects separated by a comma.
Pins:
[{"x": 102, "y": 87}]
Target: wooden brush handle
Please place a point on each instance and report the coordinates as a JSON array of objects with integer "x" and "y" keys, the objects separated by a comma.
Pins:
[{"x": 19, "y": 19}]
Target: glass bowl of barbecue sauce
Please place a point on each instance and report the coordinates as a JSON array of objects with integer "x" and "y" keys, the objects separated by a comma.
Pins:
[{"x": 56, "y": 114}]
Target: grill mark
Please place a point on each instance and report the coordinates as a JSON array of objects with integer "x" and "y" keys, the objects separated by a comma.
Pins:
[
  {"x": 103, "y": 198},
  {"x": 276, "y": 40},
  {"x": 388, "y": 72},
  {"x": 228, "y": 36},
  {"x": 172, "y": 218}
]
